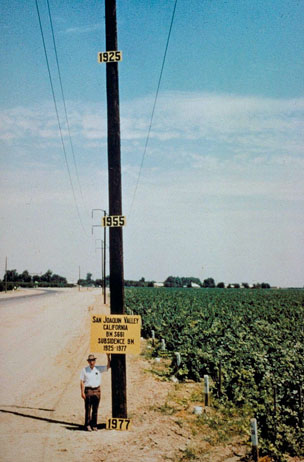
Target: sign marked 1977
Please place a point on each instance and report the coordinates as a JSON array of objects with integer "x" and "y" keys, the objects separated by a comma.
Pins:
[
  {"x": 113, "y": 221},
  {"x": 118, "y": 424},
  {"x": 109, "y": 56}
]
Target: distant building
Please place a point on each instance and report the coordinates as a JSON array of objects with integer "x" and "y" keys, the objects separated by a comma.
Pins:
[
  {"x": 158, "y": 284},
  {"x": 195, "y": 286}
]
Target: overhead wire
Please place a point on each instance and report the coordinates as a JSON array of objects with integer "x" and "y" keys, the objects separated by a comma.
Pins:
[
  {"x": 57, "y": 115},
  {"x": 153, "y": 109},
  {"x": 63, "y": 98}
]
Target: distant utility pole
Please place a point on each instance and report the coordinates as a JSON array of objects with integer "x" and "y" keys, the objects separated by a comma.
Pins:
[
  {"x": 104, "y": 255},
  {"x": 118, "y": 363},
  {"x": 5, "y": 274},
  {"x": 102, "y": 265}
]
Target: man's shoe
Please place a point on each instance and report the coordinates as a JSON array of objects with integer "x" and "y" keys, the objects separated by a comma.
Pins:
[
  {"x": 88, "y": 428},
  {"x": 95, "y": 429}
]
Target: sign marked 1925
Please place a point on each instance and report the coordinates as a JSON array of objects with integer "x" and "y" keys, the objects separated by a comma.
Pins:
[
  {"x": 118, "y": 424},
  {"x": 115, "y": 333},
  {"x": 113, "y": 221},
  {"x": 109, "y": 56}
]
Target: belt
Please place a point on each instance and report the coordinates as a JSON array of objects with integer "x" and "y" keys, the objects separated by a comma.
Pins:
[{"x": 91, "y": 388}]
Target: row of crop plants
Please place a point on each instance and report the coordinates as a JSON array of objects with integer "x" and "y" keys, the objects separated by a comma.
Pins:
[{"x": 250, "y": 344}]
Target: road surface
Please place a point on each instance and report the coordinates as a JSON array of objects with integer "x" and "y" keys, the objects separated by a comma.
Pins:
[
  {"x": 16, "y": 297},
  {"x": 44, "y": 343}
]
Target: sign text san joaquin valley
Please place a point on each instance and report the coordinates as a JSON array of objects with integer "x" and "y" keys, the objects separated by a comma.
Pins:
[{"x": 118, "y": 334}]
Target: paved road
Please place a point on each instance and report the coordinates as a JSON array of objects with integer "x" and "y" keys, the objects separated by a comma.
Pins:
[
  {"x": 44, "y": 342},
  {"x": 20, "y": 298}
]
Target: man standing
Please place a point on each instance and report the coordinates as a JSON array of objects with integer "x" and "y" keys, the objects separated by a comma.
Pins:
[{"x": 90, "y": 379}]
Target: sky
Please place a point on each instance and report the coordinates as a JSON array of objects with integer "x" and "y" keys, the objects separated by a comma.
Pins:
[{"x": 221, "y": 190}]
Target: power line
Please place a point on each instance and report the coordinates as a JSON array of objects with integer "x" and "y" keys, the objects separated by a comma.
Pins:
[
  {"x": 57, "y": 115},
  {"x": 153, "y": 110},
  {"x": 63, "y": 98}
]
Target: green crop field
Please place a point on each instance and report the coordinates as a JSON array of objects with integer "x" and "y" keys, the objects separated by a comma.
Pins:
[{"x": 253, "y": 337}]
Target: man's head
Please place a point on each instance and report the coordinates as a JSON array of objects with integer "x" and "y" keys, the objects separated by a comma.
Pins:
[{"x": 91, "y": 360}]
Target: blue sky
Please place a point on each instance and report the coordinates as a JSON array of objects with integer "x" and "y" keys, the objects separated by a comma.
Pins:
[{"x": 221, "y": 190}]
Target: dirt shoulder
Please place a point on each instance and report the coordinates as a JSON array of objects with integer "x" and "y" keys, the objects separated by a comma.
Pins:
[{"x": 44, "y": 345}]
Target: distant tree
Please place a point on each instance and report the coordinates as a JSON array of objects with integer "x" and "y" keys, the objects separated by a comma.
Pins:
[
  {"x": 25, "y": 277},
  {"x": 89, "y": 278},
  {"x": 265, "y": 285},
  {"x": 56, "y": 279},
  {"x": 141, "y": 283},
  {"x": 221, "y": 285},
  {"x": 187, "y": 282},
  {"x": 170, "y": 281},
  {"x": 36, "y": 278},
  {"x": 46, "y": 277},
  {"x": 87, "y": 282},
  {"x": 209, "y": 283},
  {"x": 176, "y": 281},
  {"x": 245, "y": 285},
  {"x": 11, "y": 275}
]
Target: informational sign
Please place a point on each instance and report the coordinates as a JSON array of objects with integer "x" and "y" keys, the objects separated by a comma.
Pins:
[
  {"x": 109, "y": 56},
  {"x": 115, "y": 333},
  {"x": 118, "y": 424},
  {"x": 113, "y": 221}
]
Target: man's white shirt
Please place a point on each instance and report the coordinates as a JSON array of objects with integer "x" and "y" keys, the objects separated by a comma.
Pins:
[{"x": 92, "y": 377}]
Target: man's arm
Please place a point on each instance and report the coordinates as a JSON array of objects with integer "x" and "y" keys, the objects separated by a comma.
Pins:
[
  {"x": 109, "y": 361},
  {"x": 82, "y": 389}
]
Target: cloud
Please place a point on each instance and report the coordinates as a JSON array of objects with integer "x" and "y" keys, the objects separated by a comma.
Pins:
[
  {"x": 229, "y": 124},
  {"x": 237, "y": 122},
  {"x": 83, "y": 29},
  {"x": 221, "y": 186},
  {"x": 216, "y": 145}
]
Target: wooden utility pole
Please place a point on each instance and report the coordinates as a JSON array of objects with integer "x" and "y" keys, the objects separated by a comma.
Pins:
[
  {"x": 5, "y": 274},
  {"x": 104, "y": 253},
  {"x": 118, "y": 362}
]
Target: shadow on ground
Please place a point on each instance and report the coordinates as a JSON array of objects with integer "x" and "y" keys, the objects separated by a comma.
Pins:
[{"x": 69, "y": 425}]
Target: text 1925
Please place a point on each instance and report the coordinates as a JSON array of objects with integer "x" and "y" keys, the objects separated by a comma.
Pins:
[{"x": 109, "y": 56}]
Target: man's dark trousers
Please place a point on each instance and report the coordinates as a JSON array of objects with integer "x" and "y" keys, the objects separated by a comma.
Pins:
[{"x": 91, "y": 405}]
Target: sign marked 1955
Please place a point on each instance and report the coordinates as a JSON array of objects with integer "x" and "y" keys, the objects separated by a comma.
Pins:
[
  {"x": 115, "y": 333},
  {"x": 109, "y": 56},
  {"x": 118, "y": 424},
  {"x": 113, "y": 221}
]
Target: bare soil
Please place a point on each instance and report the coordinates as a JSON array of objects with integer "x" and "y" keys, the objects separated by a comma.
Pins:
[{"x": 44, "y": 345}]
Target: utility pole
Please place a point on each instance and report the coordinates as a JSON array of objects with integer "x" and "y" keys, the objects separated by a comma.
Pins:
[
  {"x": 104, "y": 254},
  {"x": 118, "y": 362},
  {"x": 5, "y": 274},
  {"x": 102, "y": 262}
]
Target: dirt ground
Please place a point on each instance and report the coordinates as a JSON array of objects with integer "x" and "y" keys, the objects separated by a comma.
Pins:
[{"x": 44, "y": 345}]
